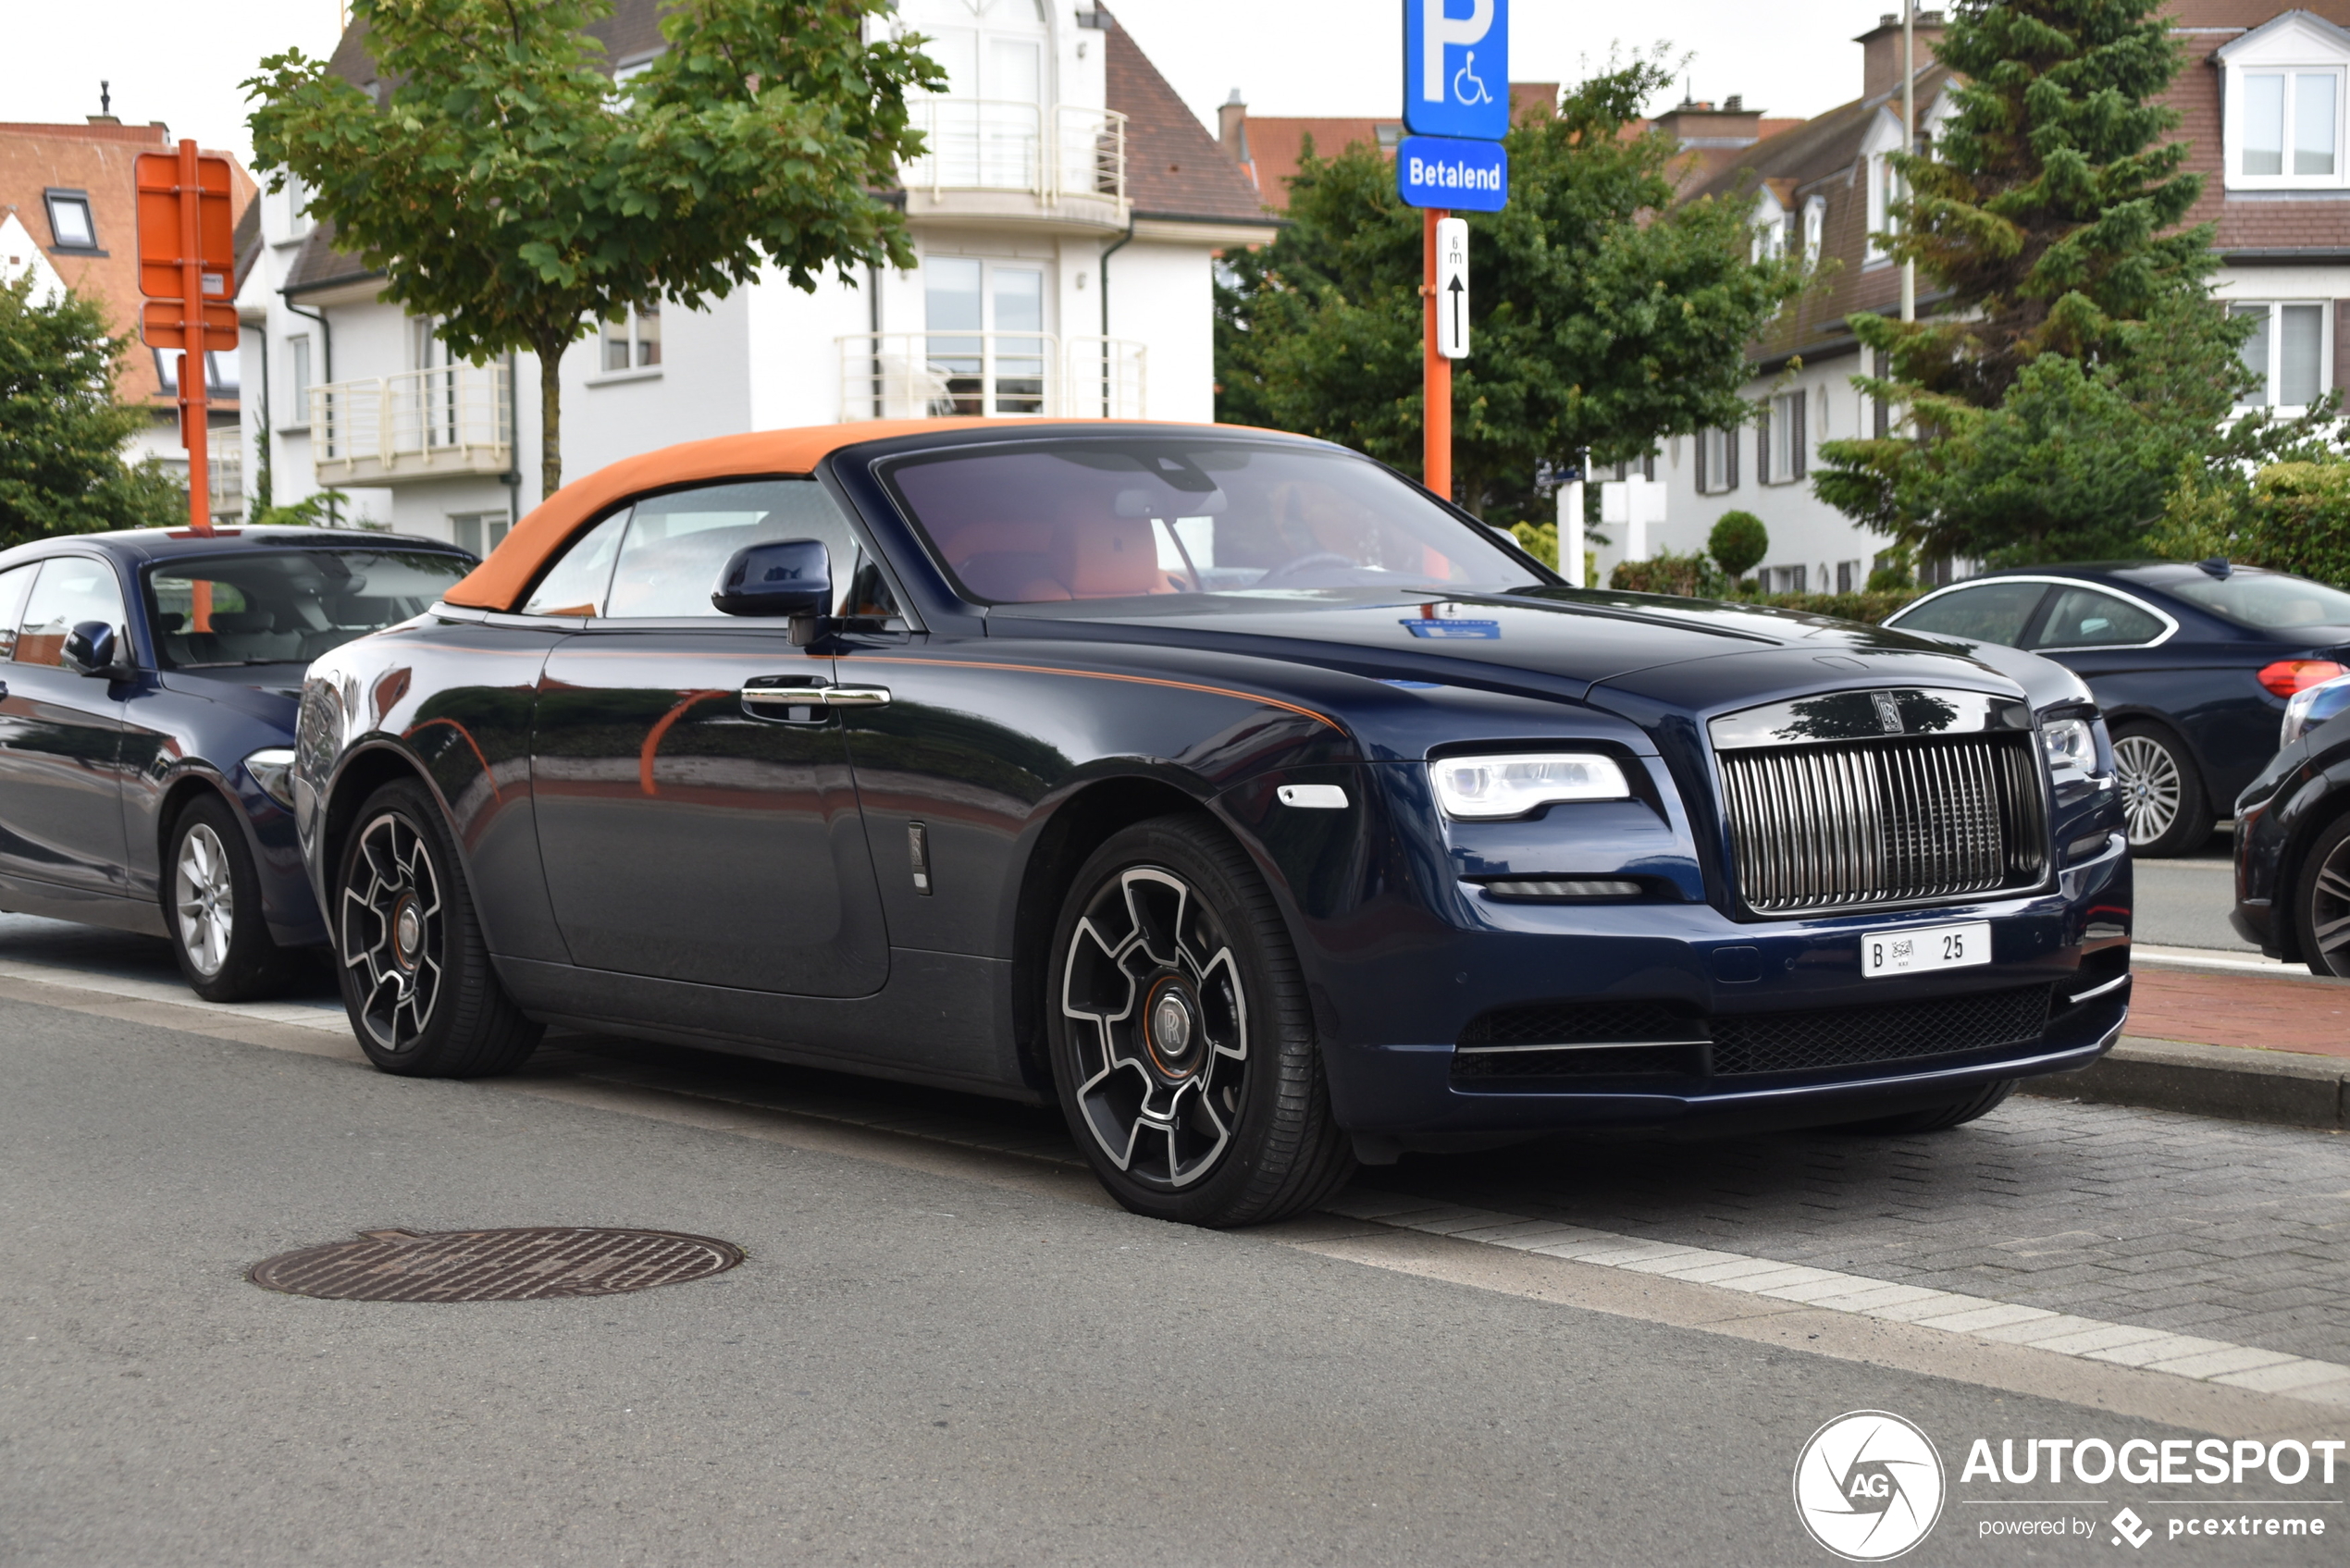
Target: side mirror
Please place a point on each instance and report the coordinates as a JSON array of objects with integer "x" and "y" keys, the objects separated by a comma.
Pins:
[
  {"x": 791, "y": 578},
  {"x": 93, "y": 648}
]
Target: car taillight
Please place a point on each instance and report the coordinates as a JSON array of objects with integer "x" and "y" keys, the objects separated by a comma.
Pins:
[{"x": 2289, "y": 675}]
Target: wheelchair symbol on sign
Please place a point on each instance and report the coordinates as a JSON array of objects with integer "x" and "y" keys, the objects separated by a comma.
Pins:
[{"x": 1467, "y": 73}]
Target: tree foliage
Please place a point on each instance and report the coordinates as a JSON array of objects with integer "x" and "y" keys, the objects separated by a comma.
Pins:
[
  {"x": 2077, "y": 361},
  {"x": 2293, "y": 516},
  {"x": 512, "y": 192},
  {"x": 1739, "y": 543},
  {"x": 62, "y": 429},
  {"x": 1601, "y": 317}
]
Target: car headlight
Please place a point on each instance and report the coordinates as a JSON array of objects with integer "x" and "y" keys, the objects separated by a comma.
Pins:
[
  {"x": 2069, "y": 745},
  {"x": 2312, "y": 705},
  {"x": 272, "y": 768},
  {"x": 1486, "y": 788}
]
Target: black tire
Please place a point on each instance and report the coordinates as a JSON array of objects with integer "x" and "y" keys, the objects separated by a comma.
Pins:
[
  {"x": 212, "y": 907},
  {"x": 1240, "y": 1132},
  {"x": 1940, "y": 1118},
  {"x": 2163, "y": 800},
  {"x": 2321, "y": 901},
  {"x": 416, "y": 977}
]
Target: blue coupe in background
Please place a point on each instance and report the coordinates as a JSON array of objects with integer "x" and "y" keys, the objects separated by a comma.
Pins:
[{"x": 149, "y": 682}]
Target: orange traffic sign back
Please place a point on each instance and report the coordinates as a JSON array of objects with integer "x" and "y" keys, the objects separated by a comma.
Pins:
[
  {"x": 161, "y": 253},
  {"x": 164, "y": 323}
]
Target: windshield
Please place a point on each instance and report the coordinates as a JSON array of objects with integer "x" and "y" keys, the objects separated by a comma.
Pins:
[
  {"x": 1167, "y": 519},
  {"x": 288, "y": 607},
  {"x": 2266, "y": 601}
]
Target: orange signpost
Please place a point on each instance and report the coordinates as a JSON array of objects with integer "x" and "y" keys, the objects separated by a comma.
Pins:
[
  {"x": 1436, "y": 425},
  {"x": 187, "y": 269}
]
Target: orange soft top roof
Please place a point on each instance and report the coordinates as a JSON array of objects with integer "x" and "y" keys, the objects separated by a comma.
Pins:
[{"x": 500, "y": 582}]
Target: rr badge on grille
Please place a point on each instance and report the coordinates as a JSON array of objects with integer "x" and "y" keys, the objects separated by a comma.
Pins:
[{"x": 1888, "y": 712}]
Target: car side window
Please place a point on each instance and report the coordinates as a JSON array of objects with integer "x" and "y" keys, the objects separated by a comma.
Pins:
[
  {"x": 14, "y": 585},
  {"x": 577, "y": 583},
  {"x": 1990, "y": 613},
  {"x": 70, "y": 590},
  {"x": 2086, "y": 618},
  {"x": 676, "y": 544}
]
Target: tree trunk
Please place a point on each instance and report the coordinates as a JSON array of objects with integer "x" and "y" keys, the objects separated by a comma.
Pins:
[{"x": 551, "y": 413}]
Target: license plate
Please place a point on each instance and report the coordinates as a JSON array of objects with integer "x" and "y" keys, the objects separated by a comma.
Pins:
[{"x": 1918, "y": 948}]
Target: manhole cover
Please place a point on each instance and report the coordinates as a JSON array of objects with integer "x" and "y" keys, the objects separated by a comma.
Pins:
[{"x": 494, "y": 1265}]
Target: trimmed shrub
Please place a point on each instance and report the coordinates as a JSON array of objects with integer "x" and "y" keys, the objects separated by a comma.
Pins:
[{"x": 1739, "y": 543}]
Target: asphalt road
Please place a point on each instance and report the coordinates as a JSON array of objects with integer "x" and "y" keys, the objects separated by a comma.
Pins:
[{"x": 945, "y": 1347}]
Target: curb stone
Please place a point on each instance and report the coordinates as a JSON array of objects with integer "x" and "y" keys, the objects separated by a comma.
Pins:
[{"x": 2240, "y": 1083}]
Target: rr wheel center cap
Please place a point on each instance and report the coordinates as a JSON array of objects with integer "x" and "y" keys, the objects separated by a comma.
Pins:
[
  {"x": 407, "y": 932},
  {"x": 1171, "y": 1028}
]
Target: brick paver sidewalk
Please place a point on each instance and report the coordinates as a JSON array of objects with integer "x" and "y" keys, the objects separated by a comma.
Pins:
[{"x": 2271, "y": 1012}]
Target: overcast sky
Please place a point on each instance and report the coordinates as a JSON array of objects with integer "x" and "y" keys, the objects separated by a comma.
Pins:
[{"x": 180, "y": 63}]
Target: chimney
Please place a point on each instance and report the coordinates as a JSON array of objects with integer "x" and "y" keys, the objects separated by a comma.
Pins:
[
  {"x": 1231, "y": 128},
  {"x": 1698, "y": 123},
  {"x": 1881, "y": 52}
]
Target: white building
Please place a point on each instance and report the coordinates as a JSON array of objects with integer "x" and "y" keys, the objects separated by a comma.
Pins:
[{"x": 1065, "y": 218}]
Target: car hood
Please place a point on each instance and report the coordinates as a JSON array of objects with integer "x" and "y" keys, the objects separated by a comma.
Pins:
[
  {"x": 271, "y": 693},
  {"x": 1692, "y": 655}
]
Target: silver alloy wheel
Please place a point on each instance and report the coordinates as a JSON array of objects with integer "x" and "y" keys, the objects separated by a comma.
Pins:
[
  {"x": 2151, "y": 787},
  {"x": 203, "y": 894},
  {"x": 392, "y": 932},
  {"x": 1158, "y": 1020},
  {"x": 2330, "y": 913}
]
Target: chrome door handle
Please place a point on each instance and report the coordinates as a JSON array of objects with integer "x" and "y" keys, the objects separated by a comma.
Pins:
[
  {"x": 817, "y": 696},
  {"x": 856, "y": 696}
]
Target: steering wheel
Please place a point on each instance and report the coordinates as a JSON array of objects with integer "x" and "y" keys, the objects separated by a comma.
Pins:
[{"x": 1305, "y": 564}]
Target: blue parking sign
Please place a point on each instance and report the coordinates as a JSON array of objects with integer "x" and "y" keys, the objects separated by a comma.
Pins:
[
  {"x": 1437, "y": 171},
  {"x": 1456, "y": 67}
]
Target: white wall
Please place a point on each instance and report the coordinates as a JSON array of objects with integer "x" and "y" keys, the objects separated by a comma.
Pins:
[{"x": 1163, "y": 295}]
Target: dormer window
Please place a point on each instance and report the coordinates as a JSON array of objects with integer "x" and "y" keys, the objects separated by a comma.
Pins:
[
  {"x": 70, "y": 227},
  {"x": 1815, "y": 230},
  {"x": 2283, "y": 98},
  {"x": 1885, "y": 186}
]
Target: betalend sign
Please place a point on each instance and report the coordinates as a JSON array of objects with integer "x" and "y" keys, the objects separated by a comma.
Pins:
[{"x": 1434, "y": 172}]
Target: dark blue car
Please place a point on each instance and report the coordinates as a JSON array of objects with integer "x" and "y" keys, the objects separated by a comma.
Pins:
[
  {"x": 148, "y": 688},
  {"x": 1225, "y": 787},
  {"x": 2192, "y": 666},
  {"x": 2292, "y": 841}
]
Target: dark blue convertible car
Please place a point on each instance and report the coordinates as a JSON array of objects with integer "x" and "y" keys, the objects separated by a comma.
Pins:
[
  {"x": 148, "y": 688},
  {"x": 1226, "y": 787}
]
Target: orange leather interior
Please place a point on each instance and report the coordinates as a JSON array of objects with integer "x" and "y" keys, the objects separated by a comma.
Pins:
[{"x": 501, "y": 582}]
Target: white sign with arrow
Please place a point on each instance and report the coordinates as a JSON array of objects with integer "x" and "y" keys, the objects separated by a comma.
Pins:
[{"x": 1452, "y": 288}]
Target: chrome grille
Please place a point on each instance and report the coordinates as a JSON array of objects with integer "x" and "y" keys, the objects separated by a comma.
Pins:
[{"x": 1885, "y": 821}]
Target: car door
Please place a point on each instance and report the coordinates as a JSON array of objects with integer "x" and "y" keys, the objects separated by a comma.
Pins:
[
  {"x": 1998, "y": 610},
  {"x": 61, "y": 735},
  {"x": 692, "y": 833}
]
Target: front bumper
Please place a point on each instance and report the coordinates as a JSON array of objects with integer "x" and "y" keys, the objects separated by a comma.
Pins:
[{"x": 2073, "y": 939}]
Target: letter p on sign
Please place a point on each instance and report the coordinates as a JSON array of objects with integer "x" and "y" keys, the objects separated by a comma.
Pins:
[
  {"x": 1457, "y": 68},
  {"x": 1452, "y": 288}
]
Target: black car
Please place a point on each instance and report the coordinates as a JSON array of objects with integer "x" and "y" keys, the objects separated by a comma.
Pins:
[
  {"x": 2293, "y": 838},
  {"x": 2191, "y": 664},
  {"x": 149, "y": 681},
  {"x": 1264, "y": 809}
]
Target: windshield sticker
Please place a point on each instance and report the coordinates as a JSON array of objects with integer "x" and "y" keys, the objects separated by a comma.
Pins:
[{"x": 1423, "y": 628}]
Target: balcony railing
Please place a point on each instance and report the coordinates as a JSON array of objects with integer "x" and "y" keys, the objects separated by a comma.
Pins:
[
  {"x": 990, "y": 144},
  {"x": 224, "y": 468},
  {"x": 419, "y": 424},
  {"x": 917, "y": 375}
]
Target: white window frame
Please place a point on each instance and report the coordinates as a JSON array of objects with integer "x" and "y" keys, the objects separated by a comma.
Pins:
[
  {"x": 1816, "y": 229},
  {"x": 627, "y": 332},
  {"x": 1770, "y": 228},
  {"x": 2294, "y": 45},
  {"x": 1781, "y": 455},
  {"x": 299, "y": 379},
  {"x": 1717, "y": 460},
  {"x": 52, "y": 200},
  {"x": 1876, "y": 167},
  {"x": 297, "y": 208},
  {"x": 2276, "y": 350}
]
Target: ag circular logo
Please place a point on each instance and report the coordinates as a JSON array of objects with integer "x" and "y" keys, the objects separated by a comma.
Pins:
[{"x": 1868, "y": 1486}]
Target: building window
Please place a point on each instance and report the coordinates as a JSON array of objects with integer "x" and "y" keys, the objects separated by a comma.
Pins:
[
  {"x": 71, "y": 226},
  {"x": 220, "y": 380},
  {"x": 986, "y": 323},
  {"x": 631, "y": 338},
  {"x": 1717, "y": 462},
  {"x": 1779, "y": 447},
  {"x": 1851, "y": 576},
  {"x": 298, "y": 381},
  {"x": 1884, "y": 189},
  {"x": 2287, "y": 352},
  {"x": 478, "y": 532},
  {"x": 2290, "y": 127},
  {"x": 297, "y": 208},
  {"x": 1785, "y": 579},
  {"x": 1815, "y": 230}
]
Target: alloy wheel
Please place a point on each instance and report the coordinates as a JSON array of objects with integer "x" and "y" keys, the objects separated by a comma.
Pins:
[
  {"x": 2329, "y": 912},
  {"x": 203, "y": 893},
  {"x": 2151, "y": 787},
  {"x": 392, "y": 932},
  {"x": 1159, "y": 1019}
]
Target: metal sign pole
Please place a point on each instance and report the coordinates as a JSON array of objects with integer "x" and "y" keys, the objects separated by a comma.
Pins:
[
  {"x": 195, "y": 417},
  {"x": 1436, "y": 461}
]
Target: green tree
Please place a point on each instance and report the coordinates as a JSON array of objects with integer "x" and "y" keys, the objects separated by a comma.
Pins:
[
  {"x": 513, "y": 193},
  {"x": 1739, "y": 543},
  {"x": 2078, "y": 359},
  {"x": 62, "y": 429},
  {"x": 1601, "y": 317}
]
